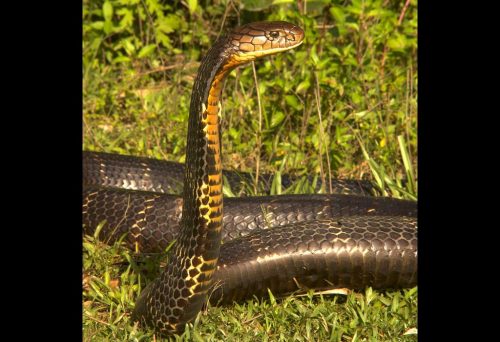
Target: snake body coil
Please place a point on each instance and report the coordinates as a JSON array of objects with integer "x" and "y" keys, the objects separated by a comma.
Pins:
[
  {"x": 335, "y": 251},
  {"x": 146, "y": 174},
  {"x": 151, "y": 221}
]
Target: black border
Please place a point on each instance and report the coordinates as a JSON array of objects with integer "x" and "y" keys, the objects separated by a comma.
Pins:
[
  {"x": 456, "y": 270},
  {"x": 43, "y": 127}
]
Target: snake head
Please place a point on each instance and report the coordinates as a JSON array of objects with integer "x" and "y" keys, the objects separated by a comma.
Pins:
[{"x": 263, "y": 38}]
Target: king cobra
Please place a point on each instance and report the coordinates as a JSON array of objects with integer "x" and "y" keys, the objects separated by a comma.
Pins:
[{"x": 353, "y": 251}]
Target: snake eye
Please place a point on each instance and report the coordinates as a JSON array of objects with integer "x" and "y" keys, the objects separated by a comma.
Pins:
[{"x": 274, "y": 34}]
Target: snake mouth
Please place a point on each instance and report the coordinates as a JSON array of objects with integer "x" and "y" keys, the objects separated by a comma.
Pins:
[
  {"x": 281, "y": 49},
  {"x": 251, "y": 55}
]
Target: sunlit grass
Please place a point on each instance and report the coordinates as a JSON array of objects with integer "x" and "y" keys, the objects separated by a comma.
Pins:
[{"x": 111, "y": 285}]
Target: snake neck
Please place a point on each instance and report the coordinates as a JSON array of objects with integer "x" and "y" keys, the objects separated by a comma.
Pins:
[
  {"x": 202, "y": 208},
  {"x": 195, "y": 254}
]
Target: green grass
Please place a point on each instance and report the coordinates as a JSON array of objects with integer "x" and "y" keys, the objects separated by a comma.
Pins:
[
  {"x": 343, "y": 104},
  {"x": 111, "y": 285}
]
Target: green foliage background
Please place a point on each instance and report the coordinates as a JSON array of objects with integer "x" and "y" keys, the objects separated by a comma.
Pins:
[
  {"x": 359, "y": 60},
  {"x": 342, "y": 104}
]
